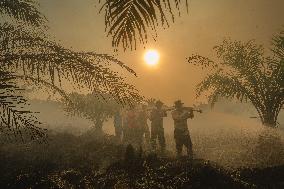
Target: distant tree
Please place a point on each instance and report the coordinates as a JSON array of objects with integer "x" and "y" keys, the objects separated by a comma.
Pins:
[
  {"x": 245, "y": 73},
  {"x": 132, "y": 21},
  {"x": 151, "y": 102},
  {"x": 28, "y": 54},
  {"x": 96, "y": 107}
]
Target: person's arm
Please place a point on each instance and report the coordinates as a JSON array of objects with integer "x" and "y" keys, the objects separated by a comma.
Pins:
[
  {"x": 164, "y": 113},
  {"x": 191, "y": 115},
  {"x": 175, "y": 115},
  {"x": 186, "y": 115},
  {"x": 151, "y": 116}
]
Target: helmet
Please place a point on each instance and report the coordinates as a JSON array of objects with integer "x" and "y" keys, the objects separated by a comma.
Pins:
[
  {"x": 159, "y": 103},
  {"x": 178, "y": 103}
]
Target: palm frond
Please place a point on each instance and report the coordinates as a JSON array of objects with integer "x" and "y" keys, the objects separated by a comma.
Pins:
[
  {"x": 16, "y": 122},
  {"x": 277, "y": 62},
  {"x": 243, "y": 57},
  {"x": 25, "y": 10},
  {"x": 243, "y": 61},
  {"x": 278, "y": 45},
  {"x": 224, "y": 85},
  {"x": 33, "y": 55},
  {"x": 129, "y": 20},
  {"x": 202, "y": 62},
  {"x": 228, "y": 87}
]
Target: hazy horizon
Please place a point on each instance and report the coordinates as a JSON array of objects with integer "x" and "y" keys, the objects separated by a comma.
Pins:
[{"x": 195, "y": 32}]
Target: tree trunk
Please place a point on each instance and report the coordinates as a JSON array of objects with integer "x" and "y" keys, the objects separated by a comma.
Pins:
[
  {"x": 269, "y": 119},
  {"x": 98, "y": 127}
]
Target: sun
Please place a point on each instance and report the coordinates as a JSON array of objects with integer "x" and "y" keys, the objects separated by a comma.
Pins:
[{"x": 151, "y": 57}]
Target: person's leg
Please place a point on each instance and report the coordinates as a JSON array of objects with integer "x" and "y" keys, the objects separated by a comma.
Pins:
[
  {"x": 178, "y": 146},
  {"x": 129, "y": 136},
  {"x": 153, "y": 138},
  {"x": 188, "y": 144},
  {"x": 118, "y": 134},
  {"x": 138, "y": 137},
  {"x": 178, "y": 140},
  {"x": 161, "y": 137},
  {"x": 125, "y": 138},
  {"x": 147, "y": 134},
  {"x": 132, "y": 137}
]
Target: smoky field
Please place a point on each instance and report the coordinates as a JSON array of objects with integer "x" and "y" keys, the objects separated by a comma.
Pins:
[
  {"x": 235, "y": 157},
  {"x": 133, "y": 94}
]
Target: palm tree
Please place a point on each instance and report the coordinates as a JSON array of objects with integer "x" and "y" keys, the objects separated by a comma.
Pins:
[
  {"x": 28, "y": 53},
  {"x": 129, "y": 21},
  {"x": 245, "y": 73},
  {"x": 98, "y": 108}
]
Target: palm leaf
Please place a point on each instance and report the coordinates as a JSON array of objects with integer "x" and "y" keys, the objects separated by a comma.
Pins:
[
  {"x": 25, "y": 10},
  {"x": 224, "y": 86},
  {"x": 32, "y": 55},
  {"x": 129, "y": 20},
  {"x": 278, "y": 45},
  {"x": 16, "y": 122},
  {"x": 28, "y": 52},
  {"x": 36, "y": 58},
  {"x": 277, "y": 63}
]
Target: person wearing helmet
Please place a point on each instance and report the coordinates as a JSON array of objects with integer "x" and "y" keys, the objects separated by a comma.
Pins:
[
  {"x": 157, "y": 128},
  {"x": 117, "y": 122},
  {"x": 143, "y": 129},
  {"x": 181, "y": 132}
]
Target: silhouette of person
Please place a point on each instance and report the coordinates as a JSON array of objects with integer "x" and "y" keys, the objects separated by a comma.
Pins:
[
  {"x": 181, "y": 132},
  {"x": 157, "y": 128}
]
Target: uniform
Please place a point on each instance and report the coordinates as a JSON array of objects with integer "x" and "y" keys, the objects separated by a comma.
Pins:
[
  {"x": 143, "y": 126},
  {"x": 129, "y": 127},
  {"x": 157, "y": 129},
  {"x": 117, "y": 122},
  {"x": 181, "y": 132}
]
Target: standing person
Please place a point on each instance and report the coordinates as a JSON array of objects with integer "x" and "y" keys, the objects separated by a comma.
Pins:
[
  {"x": 130, "y": 129},
  {"x": 143, "y": 126},
  {"x": 181, "y": 132},
  {"x": 124, "y": 125},
  {"x": 117, "y": 122},
  {"x": 157, "y": 128}
]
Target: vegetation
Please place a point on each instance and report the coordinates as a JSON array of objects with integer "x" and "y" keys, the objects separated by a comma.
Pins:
[
  {"x": 70, "y": 161},
  {"x": 132, "y": 22},
  {"x": 44, "y": 165},
  {"x": 96, "y": 107},
  {"x": 25, "y": 11},
  {"x": 28, "y": 54},
  {"x": 245, "y": 73}
]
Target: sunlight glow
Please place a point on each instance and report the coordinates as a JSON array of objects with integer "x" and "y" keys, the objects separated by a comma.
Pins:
[{"x": 151, "y": 57}]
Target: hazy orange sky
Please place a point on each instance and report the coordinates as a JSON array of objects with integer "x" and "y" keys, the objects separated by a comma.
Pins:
[{"x": 77, "y": 24}]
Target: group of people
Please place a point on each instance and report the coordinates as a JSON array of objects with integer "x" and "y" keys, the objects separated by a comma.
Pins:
[{"x": 131, "y": 126}]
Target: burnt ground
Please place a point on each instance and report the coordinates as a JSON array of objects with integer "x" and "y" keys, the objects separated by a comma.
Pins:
[{"x": 81, "y": 162}]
